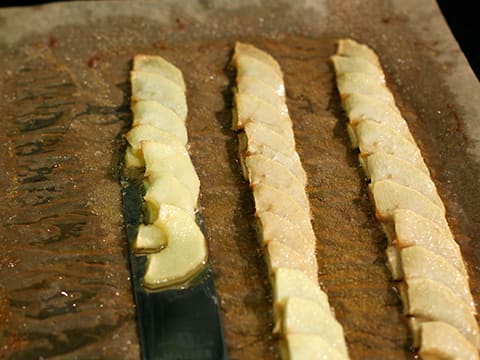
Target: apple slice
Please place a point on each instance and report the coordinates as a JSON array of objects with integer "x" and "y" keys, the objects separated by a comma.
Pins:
[
  {"x": 153, "y": 113},
  {"x": 303, "y": 316},
  {"x": 272, "y": 227},
  {"x": 373, "y": 137},
  {"x": 294, "y": 283},
  {"x": 440, "y": 340},
  {"x": 149, "y": 133},
  {"x": 390, "y": 196},
  {"x": 412, "y": 229},
  {"x": 418, "y": 262},
  {"x": 260, "y": 139},
  {"x": 267, "y": 198},
  {"x": 345, "y": 64},
  {"x": 255, "y": 87},
  {"x": 363, "y": 107},
  {"x": 167, "y": 189},
  {"x": 249, "y": 108},
  {"x": 262, "y": 170},
  {"x": 382, "y": 166},
  {"x": 311, "y": 347},
  {"x": 242, "y": 49},
  {"x": 351, "y": 48},
  {"x": 157, "y": 64},
  {"x": 153, "y": 86},
  {"x": 429, "y": 300},
  {"x": 185, "y": 253},
  {"x": 364, "y": 84},
  {"x": 150, "y": 238},
  {"x": 164, "y": 159},
  {"x": 280, "y": 255}
]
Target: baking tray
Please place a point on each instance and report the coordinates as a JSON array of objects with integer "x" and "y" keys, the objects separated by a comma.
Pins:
[{"x": 65, "y": 288}]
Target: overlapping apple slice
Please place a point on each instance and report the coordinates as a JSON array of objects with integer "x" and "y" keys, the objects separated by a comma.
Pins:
[
  {"x": 421, "y": 252},
  {"x": 303, "y": 318},
  {"x": 170, "y": 237}
]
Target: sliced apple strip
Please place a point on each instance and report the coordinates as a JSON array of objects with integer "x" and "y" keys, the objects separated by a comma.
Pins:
[
  {"x": 141, "y": 133},
  {"x": 382, "y": 166},
  {"x": 272, "y": 227},
  {"x": 418, "y": 262},
  {"x": 157, "y": 64},
  {"x": 311, "y": 347},
  {"x": 412, "y": 229},
  {"x": 167, "y": 189},
  {"x": 430, "y": 300},
  {"x": 267, "y": 198},
  {"x": 184, "y": 254},
  {"x": 390, "y": 196},
  {"x": 153, "y": 86},
  {"x": 163, "y": 159},
  {"x": 262, "y": 170},
  {"x": 308, "y": 317},
  {"x": 346, "y": 64},
  {"x": 373, "y": 137},
  {"x": 440, "y": 340}
]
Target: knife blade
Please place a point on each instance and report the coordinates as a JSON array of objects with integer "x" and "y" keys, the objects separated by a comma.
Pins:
[{"x": 177, "y": 323}]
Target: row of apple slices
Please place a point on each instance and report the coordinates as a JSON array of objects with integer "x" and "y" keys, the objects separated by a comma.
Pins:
[
  {"x": 304, "y": 319},
  {"x": 170, "y": 238},
  {"x": 422, "y": 251}
]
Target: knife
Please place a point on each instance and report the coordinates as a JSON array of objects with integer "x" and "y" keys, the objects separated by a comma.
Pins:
[{"x": 178, "y": 323}]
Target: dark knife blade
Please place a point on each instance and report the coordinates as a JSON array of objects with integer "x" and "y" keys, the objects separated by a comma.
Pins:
[{"x": 175, "y": 323}]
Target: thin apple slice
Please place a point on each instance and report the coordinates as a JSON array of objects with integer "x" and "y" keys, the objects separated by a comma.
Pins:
[
  {"x": 412, "y": 229},
  {"x": 258, "y": 138},
  {"x": 373, "y": 137},
  {"x": 418, "y": 262},
  {"x": 346, "y": 64},
  {"x": 382, "y": 166},
  {"x": 390, "y": 196},
  {"x": 163, "y": 159},
  {"x": 150, "y": 238},
  {"x": 249, "y": 108},
  {"x": 294, "y": 283},
  {"x": 351, "y": 48},
  {"x": 267, "y": 198},
  {"x": 242, "y": 49},
  {"x": 150, "y": 133},
  {"x": 280, "y": 255},
  {"x": 185, "y": 253},
  {"x": 272, "y": 227},
  {"x": 167, "y": 189},
  {"x": 363, "y": 107},
  {"x": 364, "y": 84},
  {"x": 428, "y": 300},
  {"x": 153, "y": 113},
  {"x": 157, "y": 64},
  {"x": 153, "y": 86},
  {"x": 255, "y": 87},
  {"x": 303, "y": 316},
  {"x": 262, "y": 170},
  {"x": 442, "y": 341},
  {"x": 311, "y": 347}
]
